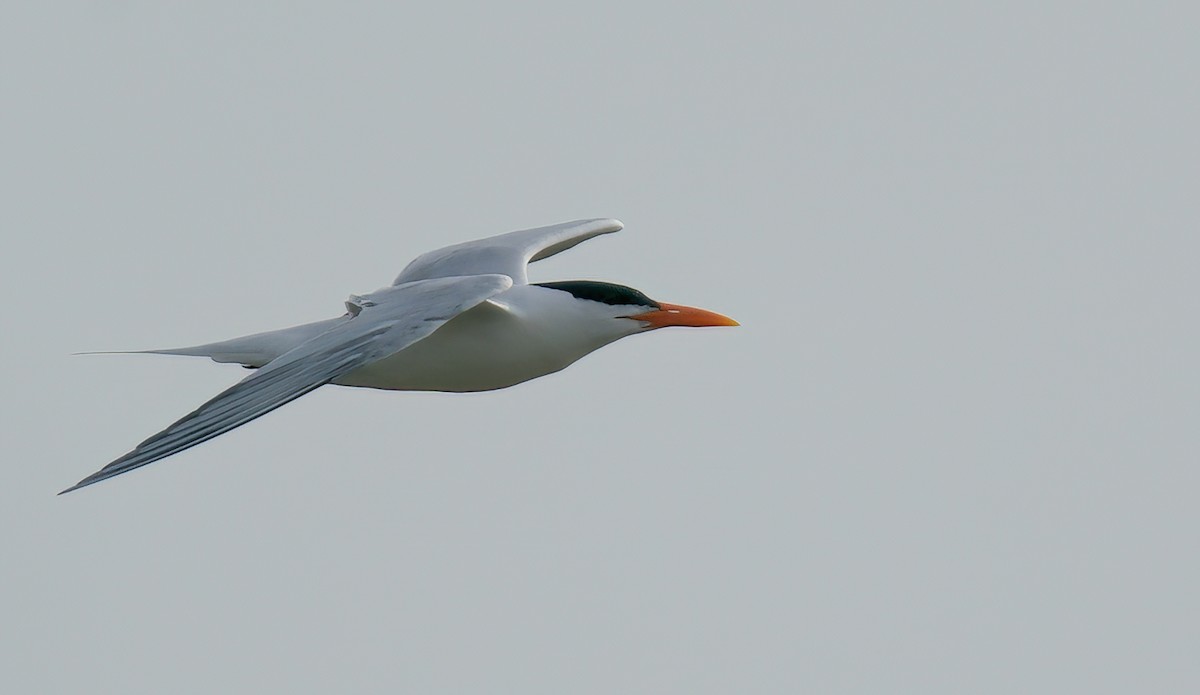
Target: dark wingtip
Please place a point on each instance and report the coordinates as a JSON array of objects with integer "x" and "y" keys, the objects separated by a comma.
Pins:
[{"x": 82, "y": 483}]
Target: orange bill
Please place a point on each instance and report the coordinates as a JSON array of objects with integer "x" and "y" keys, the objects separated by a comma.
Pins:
[{"x": 679, "y": 315}]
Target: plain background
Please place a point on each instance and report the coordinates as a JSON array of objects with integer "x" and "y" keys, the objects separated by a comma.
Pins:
[{"x": 953, "y": 447}]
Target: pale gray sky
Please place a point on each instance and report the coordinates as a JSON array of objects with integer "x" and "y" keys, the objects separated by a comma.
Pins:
[{"x": 953, "y": 447}]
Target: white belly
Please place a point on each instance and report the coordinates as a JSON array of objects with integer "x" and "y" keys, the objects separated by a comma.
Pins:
[{"x": 483, "y": 349}]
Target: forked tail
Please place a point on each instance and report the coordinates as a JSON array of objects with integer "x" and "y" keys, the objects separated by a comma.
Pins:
[{"x": 248, "y": 351}]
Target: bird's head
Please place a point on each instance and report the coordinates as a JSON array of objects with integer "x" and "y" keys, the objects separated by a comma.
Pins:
[{"x": 637, "y": 312}]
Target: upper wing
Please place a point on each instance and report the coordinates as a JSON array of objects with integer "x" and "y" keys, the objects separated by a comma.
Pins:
[
  {"x": 507, "y": 254},
  {"x": 386, "y": 322}
]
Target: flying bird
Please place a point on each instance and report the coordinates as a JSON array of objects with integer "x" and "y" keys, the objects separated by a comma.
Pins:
[{"x": 459, "y": 319}]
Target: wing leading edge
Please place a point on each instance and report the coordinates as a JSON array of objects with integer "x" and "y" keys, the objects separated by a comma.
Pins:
[{"x": 388, "y": 321}]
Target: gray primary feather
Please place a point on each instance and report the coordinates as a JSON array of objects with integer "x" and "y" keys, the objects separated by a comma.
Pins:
[{"x": 388, "y": 321}]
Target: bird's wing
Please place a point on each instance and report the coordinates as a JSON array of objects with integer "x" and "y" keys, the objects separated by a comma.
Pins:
[
  {"x": 508, "y": 254},
  {"x": 386, "y": 322}
]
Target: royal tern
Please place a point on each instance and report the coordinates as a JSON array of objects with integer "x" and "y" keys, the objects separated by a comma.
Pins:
[{"x": 462, "y": 318}]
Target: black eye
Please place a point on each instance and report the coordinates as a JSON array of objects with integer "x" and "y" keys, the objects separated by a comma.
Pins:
[{"x": 605, "y": 292}]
